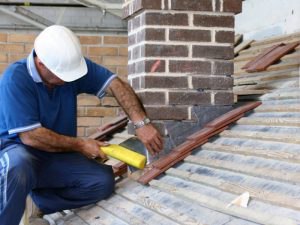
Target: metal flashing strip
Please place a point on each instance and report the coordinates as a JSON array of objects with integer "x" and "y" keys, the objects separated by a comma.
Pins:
[{"x": 197, "y": 139}]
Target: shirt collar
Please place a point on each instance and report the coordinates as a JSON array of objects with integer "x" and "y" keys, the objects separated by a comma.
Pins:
[{"x": 32, "y": 69}]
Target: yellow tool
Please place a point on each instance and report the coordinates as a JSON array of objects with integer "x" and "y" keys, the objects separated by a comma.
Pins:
[{"x": 125, "y": 155}]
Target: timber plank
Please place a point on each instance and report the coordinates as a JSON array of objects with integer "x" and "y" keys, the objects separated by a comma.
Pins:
[
  {"x": 275, "y": 67},
  {"x": 279, "y": 38},
  {"x": 280, "y": 83},
  {"x": 243, "y": 59},
  {"x": 270, "y": 121},
  {"x": 278, "y": 108},
  {"x": 251, "y": 92},
  {"x": 287, "y": 156},
  {"x": 266, "y": 77},
  {"x": 258, "y": 168},
  {"x": 237, "y": 187},
  {"x": 259, "y": 49},
  {"x": 132, "y": 213},
  {"x": 242, "y": 46},
  {"x": 173, "y": 207},
  {"x": 217, "y": 205},
  {"x": 266, "y": 136},
  {"x": 97, "y": 216}
]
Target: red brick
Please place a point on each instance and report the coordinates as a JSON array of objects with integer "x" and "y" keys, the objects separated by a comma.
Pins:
[
  {"x": 123, "y": 51},
  {"x": 213, "y": 52},
  {"x": 132, "y": 39},
  {"x": 109, "y": 101},
  {"x": 136, "y": 22},
  {"x": 88, "y": 121},
  {"x": 103, "y": 51},
  {"x": 223, "y": 68},
  {"x": 3, "y": 37},
  {"x": 209, "y": 82},
  {"x": 146, "y": 66},
  {"x": 224, "y": 98},
  {"x": 213, "y": 21},
  {"x": 150, "y": 34},
  {"x": 115, "y": 61},
  {"x": 90, "y": 40},
  {"x": 189, "y": 98},
  {"x": 192, "y": 5},
  {"x": 225, "y": 37},
  {"x": 115, "y": 40},
  {"x": 122, "y": 71},
  {"x": 29, "y": 38},
  {"x": 12, "y": 48},
  {"x": 234, "y": 6},
  {"x": 84, "y": 100},
  {"x": 3, "y": 58},
  {"x": 137, "y": 5},
  {"x": 100, "y": 111},
  {"x": 165, "y": 51},
  {"x": 153, "y": 98},
  {"x": 167, "y": 112},
  {"x": 164, "y": 82},
  {"x": 199, "y": 67},
  {"x": 16, "y": 57},
  {"x": 189, "y": 35},
  {"x": 171, "y": 19},
  {"x": 136, "y": 83},
  {"x": 3, "y": 67},
  {"x": 145, "y": 4},
  {"x": 131, "y": 68},
  {"x": 80, "y": 131},
  {"x": 136, "y": 52}
]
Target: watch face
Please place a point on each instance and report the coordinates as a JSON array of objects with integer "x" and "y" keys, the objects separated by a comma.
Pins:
[{"x": 141, "y": 123}]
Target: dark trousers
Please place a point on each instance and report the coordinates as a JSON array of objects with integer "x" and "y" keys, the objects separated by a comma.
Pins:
[{"x": 55, "y": 181}]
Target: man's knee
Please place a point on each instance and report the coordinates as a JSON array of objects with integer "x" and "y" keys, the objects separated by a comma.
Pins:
[
  {"x": 20, "y": 166},
  {"x": 106, "y": 183}
]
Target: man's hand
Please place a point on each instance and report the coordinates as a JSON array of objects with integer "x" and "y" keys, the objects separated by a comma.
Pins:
[
  {"x": 151, "y": 138},
  {"x": 91, "y": 148}
]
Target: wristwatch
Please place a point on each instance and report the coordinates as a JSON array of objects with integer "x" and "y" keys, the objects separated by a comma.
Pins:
[{"x": 141, "y": 123}]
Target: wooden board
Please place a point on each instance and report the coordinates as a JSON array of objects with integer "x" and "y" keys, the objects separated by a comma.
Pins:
[
  {"x": 133, "y": 213},
  {"x": 278, "y": 108},
  {"x": 284, "y": 155},
  {"x": 217, "y": 205},
  {"x": 270, "y": 121},
  {"x": 268, "y": 76},
  {"x": 242, "y": 46},
  {"x": 258, "y": 168},
  {"x": 240, "y": 186},
  {"x": 173, "y": 207},
  {"x": 266, "y": 136},
  {"x": 96, "y": 215}
]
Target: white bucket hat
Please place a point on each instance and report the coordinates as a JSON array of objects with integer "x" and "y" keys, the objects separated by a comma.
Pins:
[{"x": 59, "y": 50}]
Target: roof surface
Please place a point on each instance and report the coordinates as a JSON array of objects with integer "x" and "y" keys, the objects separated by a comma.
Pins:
[{"x": 259, "y": 154}]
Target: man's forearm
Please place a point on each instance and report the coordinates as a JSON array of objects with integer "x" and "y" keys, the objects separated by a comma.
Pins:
[
  {"x": 47, "y": 140},
  {"x": 127, "y": 99}
]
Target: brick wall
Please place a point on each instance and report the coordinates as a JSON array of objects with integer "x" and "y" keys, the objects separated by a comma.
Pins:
[
  {"x": 109, "y": 51},
  {"x": 181, "y": 58}
]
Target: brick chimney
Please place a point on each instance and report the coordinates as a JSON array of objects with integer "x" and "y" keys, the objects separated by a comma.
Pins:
[{"x": 180, "y": 61}]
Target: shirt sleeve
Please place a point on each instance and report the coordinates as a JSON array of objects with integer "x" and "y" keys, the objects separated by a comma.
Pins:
[
  {"x": 96, "y": 80},
  {"x": 20, "y": 107}
]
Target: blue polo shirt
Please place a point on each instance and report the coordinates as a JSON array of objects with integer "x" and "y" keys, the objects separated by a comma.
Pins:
[{"x": 26, "y": 103}]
